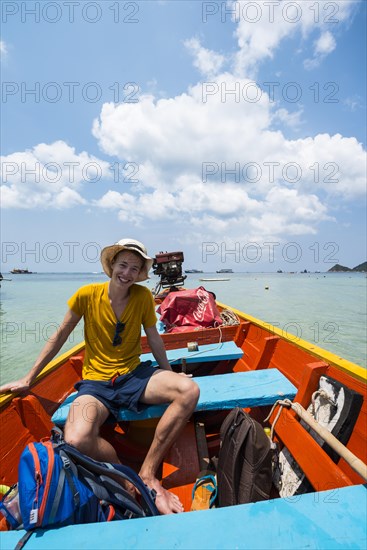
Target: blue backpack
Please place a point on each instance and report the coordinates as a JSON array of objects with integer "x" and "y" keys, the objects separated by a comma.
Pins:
[{"x": 58, "y": 486}]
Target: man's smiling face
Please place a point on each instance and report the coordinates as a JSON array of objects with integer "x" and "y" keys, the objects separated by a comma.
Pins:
[{"x": 126, "y": 267}]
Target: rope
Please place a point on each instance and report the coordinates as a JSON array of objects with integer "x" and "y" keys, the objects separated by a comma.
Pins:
[
  {"x": 284, "y": 403},
  {"x": 324, "y": 395},
  {"x": 354, "y": 462},
  {"x": 229, "y": 317}
]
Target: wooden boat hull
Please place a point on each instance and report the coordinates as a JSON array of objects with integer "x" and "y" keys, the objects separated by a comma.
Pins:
[{"x": 332, "y": 516}]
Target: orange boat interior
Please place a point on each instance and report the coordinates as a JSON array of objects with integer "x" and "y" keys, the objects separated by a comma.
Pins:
[{"x": 26, "y": 419}]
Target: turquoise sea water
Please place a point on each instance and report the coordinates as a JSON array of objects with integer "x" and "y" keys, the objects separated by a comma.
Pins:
[{"x": 326, "y": 309}]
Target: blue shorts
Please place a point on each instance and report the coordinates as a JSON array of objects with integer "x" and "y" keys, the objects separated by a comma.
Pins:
[{"x": 122, "y": 391}]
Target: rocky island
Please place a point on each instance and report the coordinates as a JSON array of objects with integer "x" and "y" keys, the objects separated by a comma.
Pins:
[{"x": 337, "y": 268}]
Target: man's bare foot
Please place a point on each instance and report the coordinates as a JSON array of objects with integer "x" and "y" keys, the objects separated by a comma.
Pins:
[{"x": 166, "y": 502}]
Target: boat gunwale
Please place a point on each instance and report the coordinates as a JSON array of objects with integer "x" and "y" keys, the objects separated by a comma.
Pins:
[
  {"x": 52, "y": 365},
  {"x": 354, "y": 370}
]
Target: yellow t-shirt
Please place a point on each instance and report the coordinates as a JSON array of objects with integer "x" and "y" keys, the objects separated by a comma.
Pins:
[{"x": 102, "y": 360}]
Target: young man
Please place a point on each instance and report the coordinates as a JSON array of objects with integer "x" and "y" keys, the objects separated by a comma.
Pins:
[{"x": 112, "y": 373}]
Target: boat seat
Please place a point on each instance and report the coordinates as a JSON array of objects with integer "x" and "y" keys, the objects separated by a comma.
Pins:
[
  {"x": 217, "y": 392},
  {"x": 206, "y": 353}
]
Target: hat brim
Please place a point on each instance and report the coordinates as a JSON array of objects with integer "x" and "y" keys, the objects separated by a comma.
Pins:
[{"x": 109, "y": 253}]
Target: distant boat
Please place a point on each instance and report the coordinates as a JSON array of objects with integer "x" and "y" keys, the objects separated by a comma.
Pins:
[
  {"x": 225, "y": 271},
  {"x": 17, "y": 271},
  {"x": 216, "y": 279},
  {"x": 194, "y": 271},
  {"x": 3, "y": 279}
]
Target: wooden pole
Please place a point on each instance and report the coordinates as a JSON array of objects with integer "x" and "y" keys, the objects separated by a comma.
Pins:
[{"x": 354, "y": 462}]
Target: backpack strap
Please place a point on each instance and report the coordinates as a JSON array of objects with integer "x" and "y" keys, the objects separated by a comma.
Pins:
[
  {"x": 65, "y": 475},
  {"x": 69, "y": 476},
  {"x": 107, "y": 489},
  {"x": 57, "y": 498},
  {"x": 23, "y": 541},
  {"x": 148, "y": 495},
  {"x": 233, "y": 435},
  {"x": 57, "y": 436}
]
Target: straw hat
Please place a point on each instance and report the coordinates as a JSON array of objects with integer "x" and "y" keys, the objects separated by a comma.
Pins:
[{"x": 109, "y": 252}]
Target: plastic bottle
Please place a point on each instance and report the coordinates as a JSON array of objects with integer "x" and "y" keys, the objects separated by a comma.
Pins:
[{"x": 9, "y": 507}]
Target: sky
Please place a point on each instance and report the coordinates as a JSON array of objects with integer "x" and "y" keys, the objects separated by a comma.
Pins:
[{"x": 233, "y": 131}]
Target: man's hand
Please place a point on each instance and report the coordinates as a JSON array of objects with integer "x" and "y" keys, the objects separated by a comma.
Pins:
[{"x": 21, "y": 385}]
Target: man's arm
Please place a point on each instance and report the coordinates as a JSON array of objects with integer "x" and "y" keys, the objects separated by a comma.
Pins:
[
  {"x": 157, "y": 347},
  {"x": 51, "y": 348}
]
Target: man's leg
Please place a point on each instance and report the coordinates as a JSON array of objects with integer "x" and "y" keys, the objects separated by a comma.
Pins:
[
  {"x": 85, "y": 418},
  {"x": 164, "y": 387}
]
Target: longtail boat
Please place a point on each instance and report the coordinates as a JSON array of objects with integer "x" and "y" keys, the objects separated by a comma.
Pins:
[{"x": 246, "y": 363}]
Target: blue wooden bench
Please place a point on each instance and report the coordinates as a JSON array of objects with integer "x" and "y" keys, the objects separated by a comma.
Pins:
[
  {"x": 331, "y": 519},
  {"x": 206, "y": 353},
  {"x": 217, "y": 392}
]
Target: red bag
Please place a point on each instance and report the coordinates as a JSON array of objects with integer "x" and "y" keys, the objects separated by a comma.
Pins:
[{"x": 185, "y": 309}]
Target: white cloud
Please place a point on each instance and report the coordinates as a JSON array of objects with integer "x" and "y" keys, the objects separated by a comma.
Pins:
[
  {"x": 260, "y": 31},
  {"x": 178, "y": 139},
  {"x": 67, "y": 198},
  {"x": 182, "y": 132},
  {"x": 207, "y": 61},
  {"x": 354, "y": 102},
  {"x": 311, "y": 63},
  {"x": 3, "y": 49},
  {"x": 325, "y": 44},
  {"x": 190, "y": 154},
  {"x": 222, "y": 209},
  {"x": 49, "y": 175},
  {"x": 292, "y": 120}
]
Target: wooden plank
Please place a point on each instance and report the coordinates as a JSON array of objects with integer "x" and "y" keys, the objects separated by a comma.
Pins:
[
  {"x": 226, "y": 391},
  {"x": 217, "y": 392},
  {"x": 208, "y": 352},
  {"x": 331, "y": 519}
]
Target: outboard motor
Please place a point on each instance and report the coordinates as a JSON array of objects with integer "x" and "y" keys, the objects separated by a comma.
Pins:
[{"x": 168, "y": 266}]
